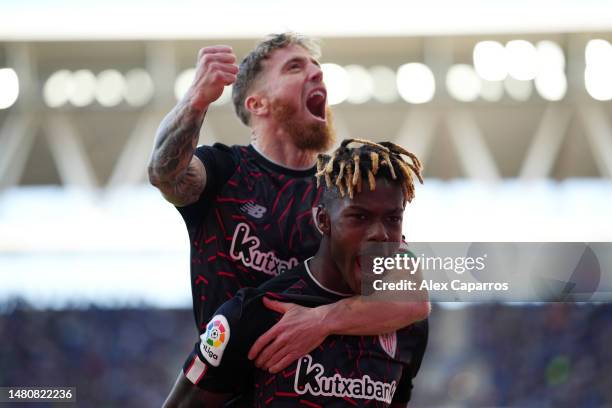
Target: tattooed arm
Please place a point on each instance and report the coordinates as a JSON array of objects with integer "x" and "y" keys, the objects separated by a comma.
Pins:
[{"x": 173, "y": 169}]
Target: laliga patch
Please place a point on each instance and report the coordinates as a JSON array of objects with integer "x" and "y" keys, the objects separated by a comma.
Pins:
[
  {"x": 388, "y": 342},
  {"x": 215, "y": 339}
]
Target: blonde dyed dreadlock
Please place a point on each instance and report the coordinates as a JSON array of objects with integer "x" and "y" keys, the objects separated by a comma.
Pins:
[{"x": 348, "y": 165}]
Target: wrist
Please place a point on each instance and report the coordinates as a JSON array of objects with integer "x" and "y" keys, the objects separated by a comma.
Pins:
[
  {"x": 328, "y": 325},
  {"x": 196, "y": 102}
]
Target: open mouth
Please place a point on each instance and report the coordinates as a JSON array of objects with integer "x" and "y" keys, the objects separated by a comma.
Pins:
[
  {"x": 362, "y": 266},
  {"x": 315, "y": 103}
]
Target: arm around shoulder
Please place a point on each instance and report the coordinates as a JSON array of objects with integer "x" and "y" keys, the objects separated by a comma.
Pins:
[{"x": 356, "y": 316}]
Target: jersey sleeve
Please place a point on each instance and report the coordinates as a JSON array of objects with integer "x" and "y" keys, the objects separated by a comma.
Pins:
[
  {"x": 220, "y": 162},
  {"x": 221, "y": 364},
  {"x": 403, "y": 392}
]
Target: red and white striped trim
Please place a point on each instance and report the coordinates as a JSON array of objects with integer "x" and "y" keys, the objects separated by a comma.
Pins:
[{"x": 196, "y": 370}]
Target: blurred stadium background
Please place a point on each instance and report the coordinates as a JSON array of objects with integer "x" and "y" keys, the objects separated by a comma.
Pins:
[{"x": 507, "y": 103}]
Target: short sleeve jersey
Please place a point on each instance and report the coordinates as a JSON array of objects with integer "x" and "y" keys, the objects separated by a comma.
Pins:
[
  {"x": 362, "y": 371},
  {"x": 252, "y": 222}
]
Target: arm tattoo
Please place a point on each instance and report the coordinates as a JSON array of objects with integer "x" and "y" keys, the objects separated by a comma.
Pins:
[
  {"x": 175, "y": 142},
  {"x": 169, "y": 168},
  {"x": 188, "y": 188}
]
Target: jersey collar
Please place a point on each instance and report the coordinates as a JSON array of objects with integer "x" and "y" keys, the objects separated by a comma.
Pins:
[
  {"x": 320, "y": 285},
  {"x": 279, "y": 168}
]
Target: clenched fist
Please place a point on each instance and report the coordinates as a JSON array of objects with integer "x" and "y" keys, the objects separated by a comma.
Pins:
[{"x": 216, "y": 67}]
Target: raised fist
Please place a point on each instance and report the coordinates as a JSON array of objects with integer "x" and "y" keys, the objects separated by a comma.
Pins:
[{"x": 216, "y": 68}]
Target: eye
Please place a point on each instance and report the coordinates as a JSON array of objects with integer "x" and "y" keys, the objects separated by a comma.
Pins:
[
  {"x": 395, "y": 219},
  {"x": 294, "y": 65},
  {"x": 359, "y": 217}
]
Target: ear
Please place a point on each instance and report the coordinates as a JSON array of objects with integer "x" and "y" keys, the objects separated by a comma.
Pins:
[
  {"x": 321, "y": 219},
  {"x": 256, "y": 104}
]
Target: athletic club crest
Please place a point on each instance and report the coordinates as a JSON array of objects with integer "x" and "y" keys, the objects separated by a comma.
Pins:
[{"x": 388, "y": 342}]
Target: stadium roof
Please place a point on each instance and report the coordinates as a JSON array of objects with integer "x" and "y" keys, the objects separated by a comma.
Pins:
[{"x": 157, "y": 19}]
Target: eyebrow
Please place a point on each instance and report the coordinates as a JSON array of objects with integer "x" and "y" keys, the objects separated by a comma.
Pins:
[
  {"x": 362, "y": 208},
  {"x": 301, "y": 60}
]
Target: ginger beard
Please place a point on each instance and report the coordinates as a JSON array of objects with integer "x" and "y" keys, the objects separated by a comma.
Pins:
[{"x": 318, "y": 137}]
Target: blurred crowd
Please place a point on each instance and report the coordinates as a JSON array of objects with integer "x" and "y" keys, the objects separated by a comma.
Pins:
[
  {"x": 551, "y": 355},
  {"x": 547, "y": 355}
]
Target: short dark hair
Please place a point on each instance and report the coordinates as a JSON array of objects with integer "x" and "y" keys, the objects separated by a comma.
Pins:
[
  {"x": 250, "y": 67},
  {"x": 346, "y": 168}
]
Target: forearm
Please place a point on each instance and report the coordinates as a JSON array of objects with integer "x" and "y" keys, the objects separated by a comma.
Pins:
[
  {"x": 361, "y": 317},
  {"x": 172, "y": 168},
  {"x": 175, "y": 142}
]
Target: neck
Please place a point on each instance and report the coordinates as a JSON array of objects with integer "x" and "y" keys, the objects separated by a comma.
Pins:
[
  {"x": 325, "y": 270},
  {"x": 276, "y": 146}
]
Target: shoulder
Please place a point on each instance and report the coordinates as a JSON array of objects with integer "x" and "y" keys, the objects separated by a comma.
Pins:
[
  {"x": 285, "y": 280},
  {"x": 245, "y": 298},
  {"x": 231, "y": 327},
  {"x": 412, "y": 340},
  {"x": 418, "y": 330},
  {"x": 217, "y": 151}
]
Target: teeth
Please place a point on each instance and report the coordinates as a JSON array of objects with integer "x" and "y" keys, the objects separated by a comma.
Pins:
[{"x": 317, "y": 93}]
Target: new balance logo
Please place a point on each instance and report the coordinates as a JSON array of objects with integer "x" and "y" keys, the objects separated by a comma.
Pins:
[{"x": 254, "y": 210}]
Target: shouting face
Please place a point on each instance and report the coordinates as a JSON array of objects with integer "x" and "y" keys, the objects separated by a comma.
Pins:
[{"x": 292, "y": 95}]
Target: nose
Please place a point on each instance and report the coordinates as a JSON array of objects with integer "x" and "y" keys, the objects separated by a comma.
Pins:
[
  {"x": 316, "y": 74},
  {"x": 378, "y": 233}
]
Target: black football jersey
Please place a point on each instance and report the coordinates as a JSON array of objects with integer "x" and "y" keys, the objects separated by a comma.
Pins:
[
  {"x": 368, "y": 371},
  {"x": 252, "y": 222}
]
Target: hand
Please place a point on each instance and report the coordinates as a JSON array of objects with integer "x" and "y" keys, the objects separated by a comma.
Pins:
[
  {"x": 299, "y": 331},
  {"x": 215, "y": 69}
]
